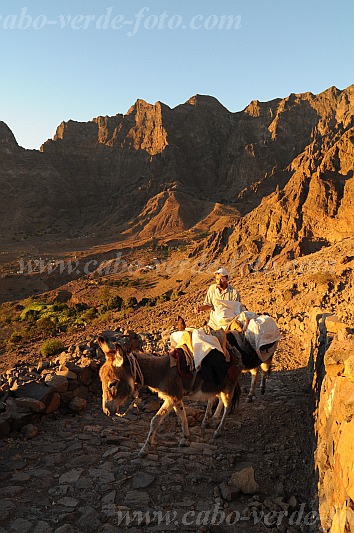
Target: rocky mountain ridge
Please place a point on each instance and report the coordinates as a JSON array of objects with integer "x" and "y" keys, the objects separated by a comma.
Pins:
[{"x": 286, "y": 166}]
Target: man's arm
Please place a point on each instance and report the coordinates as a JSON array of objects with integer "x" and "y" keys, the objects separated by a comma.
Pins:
[
  {"x": 207, "y": 305},
  {"x": 204, "y": 307}
]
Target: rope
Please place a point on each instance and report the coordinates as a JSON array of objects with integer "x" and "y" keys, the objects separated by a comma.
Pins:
[
  {"x": 136, "y": 372},
  {"x": 135, "y": 369}
]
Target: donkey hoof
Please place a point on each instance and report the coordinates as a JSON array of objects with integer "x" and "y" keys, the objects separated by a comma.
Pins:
[
  {"x": 217, "y": 435},
  {"x": 249, "y": 399},
  {"x": 184, "y": 443},
  {"x": 205, "y": 425},
  {"x": 262, "y": 391}
]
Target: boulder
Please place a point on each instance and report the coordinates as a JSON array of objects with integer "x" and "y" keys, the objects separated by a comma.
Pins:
[
  {"x": 35, "y": 390},
  {"x": 244, "y": 481}
]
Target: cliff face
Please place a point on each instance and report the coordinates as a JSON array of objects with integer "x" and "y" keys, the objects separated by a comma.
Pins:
[
  {"x": 286, "y": 165},
  {"x": 333, "y": 384}
]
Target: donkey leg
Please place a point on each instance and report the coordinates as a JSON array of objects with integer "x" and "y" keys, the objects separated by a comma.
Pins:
[
  {"x": 218, "y": 409},
  {"x": 165, "y": 408},
  {"x": 226, "y": 402},
  {"x": 181, "y": 413},
  {"x": 252, "y": 391},
  {"x": 207, "y": 415},
  {"x": 265, "y": 375}
]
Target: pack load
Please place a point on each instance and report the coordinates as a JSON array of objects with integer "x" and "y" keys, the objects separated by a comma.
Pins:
[{"x": 263, "y": 335}]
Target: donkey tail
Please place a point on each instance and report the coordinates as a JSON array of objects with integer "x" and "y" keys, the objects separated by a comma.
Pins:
[{"x": 235, "y": 397}]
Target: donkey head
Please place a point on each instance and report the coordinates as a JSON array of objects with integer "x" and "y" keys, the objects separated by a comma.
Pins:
[{"x": 117, "y": 381}]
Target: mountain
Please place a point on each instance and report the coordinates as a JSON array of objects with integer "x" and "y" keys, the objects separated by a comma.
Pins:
[{"x": 278, "y": 174}]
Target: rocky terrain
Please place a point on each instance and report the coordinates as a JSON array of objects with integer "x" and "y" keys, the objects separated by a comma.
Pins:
[
  {"x": 142, "y": 208},
  {"x": 88, "y": 463}
]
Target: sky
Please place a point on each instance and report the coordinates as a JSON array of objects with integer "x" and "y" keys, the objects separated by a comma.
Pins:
[{"x": 77, "y": 60}]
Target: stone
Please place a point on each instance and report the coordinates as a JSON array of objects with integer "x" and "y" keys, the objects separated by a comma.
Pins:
[
  {"x": 102, "y": 475},
  {"x": 89, "y": 520},
  {"x": 29, "y": 431},
  {"x": 77, "y": 404},
  {"x": 11, "y": 490},
  {"x": 349, "y": 368},
  {"x": 66, "y": 397},
  {"x": 333, "y": 324},
  {"x": 68, "y": 374},
  {"x": 42, "y": 527},
  {"x": 244, "y": 481},
  {"x": 137, "y": 500},
  {"x": 35, "y": 390},
  {"x": 42, "y": 365},
  {"x": 59, "y": 490},
  {"x": 20, "y": 477},
  {"x": 292, "y": 502},
  {"x": 68, "y": 502},
  {"x": 21, "y": 525},
  {"x": 81, "y": 392},
  {"x": 58, "y": 382},
  {"x": 62, "y": 296},
  {"x": 85, "y": 376},
  {"x": 344, "y": 334},
  {"x": 110, "y": 497},
  {"x": 142, "y": 480},
  {"x": 7, "y": 508},
  {"x": 54, "y": 403},
  {"x": 228, "y": 493},
  {"x": 31, "y": 403},
  {"x": 71, "y": 477},
  {"x": 343, "y": 467},
  {"x": 5, "y": 424},
  {"x": 66, "y": 528}
]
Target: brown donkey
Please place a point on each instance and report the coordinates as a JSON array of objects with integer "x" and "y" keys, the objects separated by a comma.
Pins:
[{"x": 123, "y": 373}]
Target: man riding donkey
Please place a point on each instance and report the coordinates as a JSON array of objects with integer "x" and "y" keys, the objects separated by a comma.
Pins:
[
  {"x": 219, "y": 293},
  {"x": 254, "y": 337},
  {"x": 205, "y": 348}
]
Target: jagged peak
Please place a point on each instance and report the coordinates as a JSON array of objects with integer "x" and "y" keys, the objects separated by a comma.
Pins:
[
  {"x": 7, "y": 138},
  {"x": 205, "y": 100},
  {"x": 258, "y": 108},
  {"x": 142, "y": 104}
]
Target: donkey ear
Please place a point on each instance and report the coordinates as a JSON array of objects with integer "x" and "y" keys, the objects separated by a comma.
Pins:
[
  {"x": 181, "y": 325},
  {"x": 119, "y": 355},
  {"x": 103, "y": 344}
]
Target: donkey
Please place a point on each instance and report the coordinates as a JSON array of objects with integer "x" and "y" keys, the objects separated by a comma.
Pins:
[
  {"x": 250, "y": 360},
  {"x": 124, "y": 373}
]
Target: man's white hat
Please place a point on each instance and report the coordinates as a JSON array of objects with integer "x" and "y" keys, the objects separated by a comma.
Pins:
[{"x": 221, "y": 271}]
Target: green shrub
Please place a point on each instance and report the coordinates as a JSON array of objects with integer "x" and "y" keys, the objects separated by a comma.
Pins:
[
  {"x": 131, "y": 302},
  {"x": 163, "y": 298},
  {"x": 115, "y": 302},
  {"x": 51, "y": 347},
  {"x": 175, "y": 295},
  {"x": 45, "y": 326},
  {"x": 32, "y": 311},
  {"x": 144, "y": 301},
  {"x": 89, "y": 314}
]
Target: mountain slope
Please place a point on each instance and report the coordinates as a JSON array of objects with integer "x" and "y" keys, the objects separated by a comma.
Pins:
[{"x": 156, "y": 170}]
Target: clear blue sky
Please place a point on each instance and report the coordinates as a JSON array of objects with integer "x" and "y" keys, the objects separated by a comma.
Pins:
[{"x": 51, "y": 74}]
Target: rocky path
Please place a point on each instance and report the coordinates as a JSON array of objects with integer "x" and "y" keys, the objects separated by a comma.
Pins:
[{"x": 82, "y": 473}]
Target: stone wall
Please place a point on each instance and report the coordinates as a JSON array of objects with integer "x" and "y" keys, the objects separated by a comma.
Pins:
[
  {"x": 28, "y": 392},
  {"x": 333, "y": 384}
]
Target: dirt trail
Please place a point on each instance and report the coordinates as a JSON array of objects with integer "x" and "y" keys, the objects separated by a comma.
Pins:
[{"x": 81, "y": 470}]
